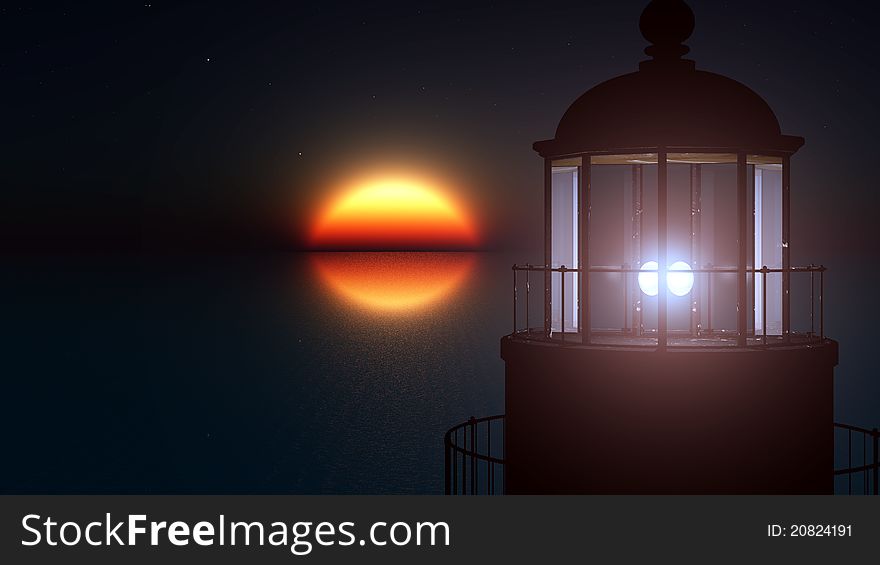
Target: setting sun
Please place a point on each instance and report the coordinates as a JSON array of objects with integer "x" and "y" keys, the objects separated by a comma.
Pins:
[{"x": 393, "y": 213}]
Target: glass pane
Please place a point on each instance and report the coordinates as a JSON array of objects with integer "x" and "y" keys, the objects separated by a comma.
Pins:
[
  {"x": 768, "y": 246},
  {"x": 564, "y": 243},
  {"x": 716, "y": 247},
  {"x": 623, "y": 235},
  {"x": 679, "y": 244}
]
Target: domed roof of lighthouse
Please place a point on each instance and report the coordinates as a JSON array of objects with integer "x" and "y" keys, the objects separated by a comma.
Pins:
[{"x": 668, "y": 103}]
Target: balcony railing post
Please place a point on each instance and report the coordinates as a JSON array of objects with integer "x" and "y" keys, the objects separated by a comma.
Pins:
[
  {"x": 514, "y": 299},
  {"x": 822, "y": 304},
  {"x": 562, "y": 302},
  {"x": 709, "y": 302},
  {"x": 473, "y": 426},
  {"x": 875, "y": 435},
  {"x": 447, "y": 479},
  {"x": 849, "y": 461},
  {"x": 812, "y": 302},
  {"x": 528, "y": 292},
  {"x": 489, "y": 486},
  {"x": 625, "y": 276},
  {"x": 454, "y": 469},
  {"x": 764, "y": 302}
]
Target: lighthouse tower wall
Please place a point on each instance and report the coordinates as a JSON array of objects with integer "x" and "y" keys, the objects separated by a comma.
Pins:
[{"x": 584, "y": 419}]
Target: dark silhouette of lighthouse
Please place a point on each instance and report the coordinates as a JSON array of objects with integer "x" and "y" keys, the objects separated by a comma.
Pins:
[{"x": 667, "y": 344}]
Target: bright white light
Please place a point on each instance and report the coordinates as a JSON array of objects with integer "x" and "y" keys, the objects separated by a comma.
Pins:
[
  {"x": 680, "y": 283},
  {"x": 648, "y": 281},
  {"x": 679, "y": 278}
]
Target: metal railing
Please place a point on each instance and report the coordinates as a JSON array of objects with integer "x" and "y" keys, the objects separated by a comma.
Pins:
[
  {"x": 869, "y": 470},
  {"x": 474, "y": 457},
  {"x": 634, "y": 306}
]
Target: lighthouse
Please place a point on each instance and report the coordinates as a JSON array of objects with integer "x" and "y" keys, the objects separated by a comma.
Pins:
[{"x": 666, "y": 344}]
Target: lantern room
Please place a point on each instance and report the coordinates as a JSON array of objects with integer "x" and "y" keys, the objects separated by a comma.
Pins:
[{"x": 671, "y": 185}]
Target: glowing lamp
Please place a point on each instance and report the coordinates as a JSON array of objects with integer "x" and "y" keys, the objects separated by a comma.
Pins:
[
  {"x": 679, "y": 278},
  {"x": 648, "y": 280}
]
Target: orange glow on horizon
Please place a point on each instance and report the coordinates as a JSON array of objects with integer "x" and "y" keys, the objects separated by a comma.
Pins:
[
  {"x": 393, "y": 212},
  {"x": 393, "y": 282}
]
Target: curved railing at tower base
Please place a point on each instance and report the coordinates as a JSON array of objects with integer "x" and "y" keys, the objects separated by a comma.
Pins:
[
  {"x": 862, "y": 445},
  {"x": 474, "y": 458}
]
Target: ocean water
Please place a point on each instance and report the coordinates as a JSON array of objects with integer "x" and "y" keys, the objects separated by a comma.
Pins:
[
  {"x": 285, "y": 373},
  {"x": 279, "y": 373}
]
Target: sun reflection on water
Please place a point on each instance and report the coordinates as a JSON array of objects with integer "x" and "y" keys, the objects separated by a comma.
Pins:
[{"x": 393, "y": 282}]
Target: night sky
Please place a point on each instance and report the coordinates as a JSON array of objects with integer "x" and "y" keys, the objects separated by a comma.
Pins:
[{"x": 168, "y": 126}]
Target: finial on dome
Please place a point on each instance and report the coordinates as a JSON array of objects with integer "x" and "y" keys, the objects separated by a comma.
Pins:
[{"x": 667, "y": 24}]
